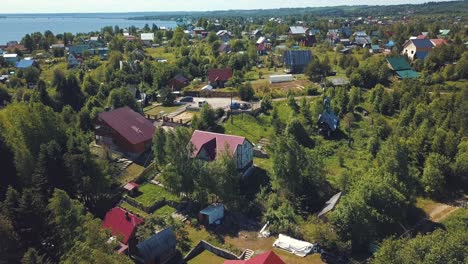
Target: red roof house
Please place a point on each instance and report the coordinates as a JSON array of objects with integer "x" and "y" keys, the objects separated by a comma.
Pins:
[
  {"x": 218, "y": 77},
  {"x": 121, "y": 223},
  {"x": 266, "y": 258},
  {"x": 125, "y": 129},
  {"x": 208, "y": 146}
]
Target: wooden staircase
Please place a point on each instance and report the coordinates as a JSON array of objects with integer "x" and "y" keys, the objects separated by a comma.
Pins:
[{"x": 248, "y": 254}]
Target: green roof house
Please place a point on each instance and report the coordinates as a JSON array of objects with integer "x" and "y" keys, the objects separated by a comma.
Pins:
[{"x": 401, "y": 67}]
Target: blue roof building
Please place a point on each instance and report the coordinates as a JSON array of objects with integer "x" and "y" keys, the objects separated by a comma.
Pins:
[
  {"x": 295, "y": 61},
  {"x": 24, "y": 64}
]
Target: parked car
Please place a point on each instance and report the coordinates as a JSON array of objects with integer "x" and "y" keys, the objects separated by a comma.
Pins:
[
  {"x": 235, "y": 106},
  {"x": 245, "y": 106},
  {"x": 186, "y": 99},
  {"x": 202, "y": 103}
]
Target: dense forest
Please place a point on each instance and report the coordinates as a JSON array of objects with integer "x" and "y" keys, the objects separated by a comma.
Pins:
[{"x": 401, "y": 148}]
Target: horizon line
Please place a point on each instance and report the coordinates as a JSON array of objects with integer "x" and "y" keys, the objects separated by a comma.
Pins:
[{"x": 224, "y": 10}]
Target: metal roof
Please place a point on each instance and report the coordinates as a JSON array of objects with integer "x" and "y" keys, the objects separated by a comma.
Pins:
[
  {"x": 398, "y": 63},
  {"x": 23, "y": 64},
  {"x": 134, "y": 127},
  {"x": 297, "y": 57},
  {"x": 407, "y": 74},
  {"x": 296, "y": 30},
  {"x": 157, "y": 244}
]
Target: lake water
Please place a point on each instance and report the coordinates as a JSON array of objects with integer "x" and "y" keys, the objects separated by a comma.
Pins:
[{"x": 14, "y": 27}]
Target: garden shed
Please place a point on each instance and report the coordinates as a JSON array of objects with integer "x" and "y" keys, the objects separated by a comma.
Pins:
[{"x": 211, "y": 214}]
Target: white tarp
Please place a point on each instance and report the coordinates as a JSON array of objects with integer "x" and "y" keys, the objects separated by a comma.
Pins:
[
  {"x": 297, "y": 247},
  {"x": 207, "y": 88}
]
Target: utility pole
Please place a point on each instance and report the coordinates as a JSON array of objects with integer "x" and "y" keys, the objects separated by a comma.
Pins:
[{"x": 230, "y": 109}]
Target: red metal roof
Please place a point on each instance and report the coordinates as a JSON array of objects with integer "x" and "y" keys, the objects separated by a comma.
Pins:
[
  {"x": 130, "y": 186},
  {"x": 134, "y": 127},
  {"x": 219, "y": 75},
  {"x": 121, "y": 224},
  {"x": 266, "y": 258},
  {"x": 214, "y": 143}
]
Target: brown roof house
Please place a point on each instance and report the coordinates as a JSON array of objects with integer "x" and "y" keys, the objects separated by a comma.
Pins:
[
  {"x": 124, "y": 130},
  {"x": 219, "y": 77},
  {"x": 178, "y": 82}
]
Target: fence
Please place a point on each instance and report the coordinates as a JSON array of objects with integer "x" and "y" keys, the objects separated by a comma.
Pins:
[{"x": 146, "y": 209}]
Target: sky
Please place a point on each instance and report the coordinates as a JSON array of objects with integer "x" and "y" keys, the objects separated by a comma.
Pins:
[{"x": 111, "y": 6}]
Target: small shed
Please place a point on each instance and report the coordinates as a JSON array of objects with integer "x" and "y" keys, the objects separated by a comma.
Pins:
[
  {"x": 131, "y": 188},
  {"x": 211, "y": 214}
]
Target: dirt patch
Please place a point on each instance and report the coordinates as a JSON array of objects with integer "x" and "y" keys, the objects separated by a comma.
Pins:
[
  {"x": 249, "y": 240},
  {"x": 185, "y": 117}
]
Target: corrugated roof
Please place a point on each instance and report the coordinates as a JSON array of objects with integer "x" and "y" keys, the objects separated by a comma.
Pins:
[
  {"x": 296, "y": 30},
  {"x": 122, "y": 223},
  {"x": 219, "y": 75},
  {"x": 297, "y": 57},
  {"x": 407, "y": 74},
  {"x": 157, "y": 244},
  {"x": 398, "y": 63},
  {"x": 422, "y": 43},
  {"x": 23, "y": 64},
  {"x": 134, "y": 127},
  {"x": 214, "y": 143},
  {"x": 421, "y": 54}
]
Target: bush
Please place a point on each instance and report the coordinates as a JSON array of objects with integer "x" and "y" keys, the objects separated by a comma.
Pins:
[{"x": 220, "y": 112}]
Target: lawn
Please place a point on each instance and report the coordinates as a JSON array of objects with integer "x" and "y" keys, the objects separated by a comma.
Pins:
[
  {"x": 250, "y": 127},
  {"x": 166, "y": 210},
  {"x": 133, "y": 209},
  {"x": 131, "y": 173},
  {"x": 207, "y": 257},
  {"x": 151, "y": 193},
  {"x": 48, "y": 70},
  {"x": 159, "y": 53},
  {"x": 155, "y": 110}
]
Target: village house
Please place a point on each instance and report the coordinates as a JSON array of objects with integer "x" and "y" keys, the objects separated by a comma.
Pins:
[
  {"x": 327, "y": 121},
  {"x": 268, "y": 257},
  {"x": 224, "y": 36},
  {"x": 217, "y": 78},
  {"x": 256, "y": 34},
  {"x": 73, "y": 61},
  {"x": 209, "y": 146},
  {"x": 11, "y": 58},
  {"x": 147, "y": 38},
  {"x": 178, "y": 82},
  {"x": 122, "y": 224},
  {"x": 24, "y": 64},
  {"x": 124, "y": 130},
  {"x": 417, "y": 48},
  {"x": 160, "y": 248},
  {"x": 198, "y": 30},
  {"x": 401, "y": 68},
  {"x": 79, "y": 49},
  {"x": 295, "y": 61}
]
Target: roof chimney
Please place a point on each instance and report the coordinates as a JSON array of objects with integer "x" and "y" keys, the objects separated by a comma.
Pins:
[{"x": 127, "y": 216}]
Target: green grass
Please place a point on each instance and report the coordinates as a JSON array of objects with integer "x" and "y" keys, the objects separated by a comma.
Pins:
[
  {"x": 133, "y": 209},
  {"x": 155, "y": 110},
  {"x": 248, "y": 126},
  {"x": 164, "y": 211},
  {"x": 207, "y": 257},
  {"x": 48, "y": 70},
  {"x": 131, "y": 173},
  {"x": 158, "y": 53},
  {"x": 152, "y": 193}
]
